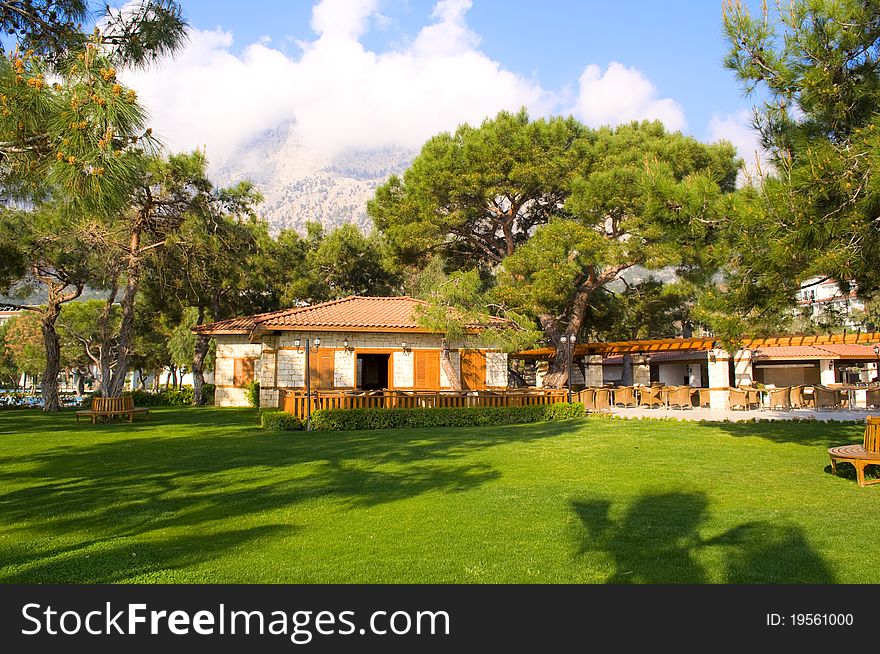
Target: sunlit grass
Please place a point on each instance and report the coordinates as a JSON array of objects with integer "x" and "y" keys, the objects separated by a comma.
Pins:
[{"x": 202, "y": 495}]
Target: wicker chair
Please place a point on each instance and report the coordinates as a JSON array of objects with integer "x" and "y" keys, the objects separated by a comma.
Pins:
[
  {"x": 651, "y": 396},
  {"x": 737, "y": 398},
  {"x": 602, "y": 399},
  {"x": 705, "y": 397},
  {"x": 796, "y": 397},
  {"x": 587, "y": 397},
  {"x": 625, "y": 396},
  {"x": 780, "y": 398},
  {"x": 826, "y": 398},
  {"x": 680, "y": 396}
]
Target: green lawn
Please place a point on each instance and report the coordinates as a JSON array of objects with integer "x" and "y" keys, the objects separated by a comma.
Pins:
[{"x": 202, "y": 495}]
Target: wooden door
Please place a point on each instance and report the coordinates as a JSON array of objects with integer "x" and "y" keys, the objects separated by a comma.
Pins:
[
  {"x": 426, "y": 370},
  {"x": 473, "y": 370},
  {"x": 321, "y": 364}
]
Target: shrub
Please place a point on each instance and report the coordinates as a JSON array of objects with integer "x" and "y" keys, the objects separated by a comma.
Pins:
[
  {"x": 208, "y": 391},
  {"x": 352, "y": 419},
  {"x": 279, "y": 421},
  {"x": 165, "y": 397},
  {"x": 253, "y": 393}
]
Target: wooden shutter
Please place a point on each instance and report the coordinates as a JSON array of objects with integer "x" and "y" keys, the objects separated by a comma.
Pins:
[
  {"x": 321, "y": 364},
  {"x": 426, "y": 370},
  {"x": 243, "y": 374},
  {"x": 473, "y": 370}
]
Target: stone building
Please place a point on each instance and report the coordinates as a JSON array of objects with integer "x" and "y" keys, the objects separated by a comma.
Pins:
[{"x": 356, "y": 343}]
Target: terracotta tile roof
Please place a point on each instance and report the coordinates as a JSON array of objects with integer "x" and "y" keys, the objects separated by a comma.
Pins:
[
  {"x": 824, "y": 351},
  {"x": 693, "y": 356},
  {"x": 792, "y": 352},
  {"x": 850, "y": 351},
  {"x": 356, "y": 313}
]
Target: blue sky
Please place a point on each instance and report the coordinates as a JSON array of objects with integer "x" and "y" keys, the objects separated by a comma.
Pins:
[{"x": 602, "y": 61}]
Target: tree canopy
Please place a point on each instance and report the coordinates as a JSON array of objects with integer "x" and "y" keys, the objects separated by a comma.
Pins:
[{"x": 814, "y": 211}]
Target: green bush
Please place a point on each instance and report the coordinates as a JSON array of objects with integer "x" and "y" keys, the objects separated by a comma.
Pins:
[
  {"x": 352, "y": 419},
  {"x": 165, "y": 397},
  {"x": 279, "y": 421},
  {"x": 208, "y": 391},
  {"x": 253, "y": 393}
]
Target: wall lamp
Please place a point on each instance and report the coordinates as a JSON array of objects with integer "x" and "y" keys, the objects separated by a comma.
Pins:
[
  {"x": 346, "y": 345},
  {"x": 405, "y": 347},
  {"x": 314, "y": 343}
]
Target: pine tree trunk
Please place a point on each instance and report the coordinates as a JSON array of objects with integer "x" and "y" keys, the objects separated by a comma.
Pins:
[
  {"x": 126, "y": 324},
  {"x": 198, "y": 365},
  {"x": 626, "y": 378},
  {"x": 557, "y": 375},
  {"x": 52, "y": 344},
  {"x": 449, "y": 370}
]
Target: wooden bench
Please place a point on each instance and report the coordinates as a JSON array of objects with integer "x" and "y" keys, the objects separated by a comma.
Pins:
[
  {"x": 110, "y": 407},
  {"x": 860, "y": 455}
]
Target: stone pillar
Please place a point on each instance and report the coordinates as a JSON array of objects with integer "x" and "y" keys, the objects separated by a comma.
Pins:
[
  {"x": 719, "y": 378},
  {"x": 742, "y": 368},
  {"x": 641, "y": 370},
  {"x": 593, "y": 367},
  {"x": 267, "y": 372},
  {"x": 826, "y": 372}
]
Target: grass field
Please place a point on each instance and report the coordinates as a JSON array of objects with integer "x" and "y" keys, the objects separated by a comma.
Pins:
[{"x": 202, "y": 495}]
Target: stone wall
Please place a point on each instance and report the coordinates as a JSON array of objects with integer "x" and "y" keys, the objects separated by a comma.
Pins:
[
  {"x": 343, "y": 369},
  {"x": 230, "y": 348},
  {"x": 280, "y": 365},
  {"x": 496, "y": 369},
  {"x": 402, "y": 365}
]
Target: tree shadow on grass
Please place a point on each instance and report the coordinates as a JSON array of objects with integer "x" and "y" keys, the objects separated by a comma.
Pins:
[
  {"x": 102, "y": 561},
  {"x": 809, "y": 433},
  {"x": 658, "y": 541},
  {"x": 132, "y": 484}
]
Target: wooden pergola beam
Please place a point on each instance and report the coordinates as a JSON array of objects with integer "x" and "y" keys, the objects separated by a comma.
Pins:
[{"x": 647, "y": 346}]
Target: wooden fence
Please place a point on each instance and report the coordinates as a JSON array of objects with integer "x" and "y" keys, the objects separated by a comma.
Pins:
[{"x": 296, "y": 402}]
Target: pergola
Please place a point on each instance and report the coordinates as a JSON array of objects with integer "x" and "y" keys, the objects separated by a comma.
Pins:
[{"x": 648, "y": 346}]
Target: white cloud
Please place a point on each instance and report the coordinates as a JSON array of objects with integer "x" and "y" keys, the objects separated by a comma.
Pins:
[
  {"x": 622, "y": 95},
  {"x": 342, "y": 95},
  {"x": 737, "y": 129}
]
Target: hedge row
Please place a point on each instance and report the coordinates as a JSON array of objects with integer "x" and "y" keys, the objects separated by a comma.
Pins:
[
  {"x": 279, "y": 421},
  {"x": 172, "y": 396},
  {"x": 352, "y": 419}
]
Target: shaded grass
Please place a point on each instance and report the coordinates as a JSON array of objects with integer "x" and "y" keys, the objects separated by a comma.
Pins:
[{"x": 202, "y": 495}]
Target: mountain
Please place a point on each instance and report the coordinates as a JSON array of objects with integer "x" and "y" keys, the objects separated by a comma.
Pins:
[{"x": 299, "y": 185}]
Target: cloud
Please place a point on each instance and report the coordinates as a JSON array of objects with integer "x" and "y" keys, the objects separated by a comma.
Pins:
[
  {"x": 340, "y": 94},
  {"x": 737, "y": 129},
  {"x": 622, "y": 95}
]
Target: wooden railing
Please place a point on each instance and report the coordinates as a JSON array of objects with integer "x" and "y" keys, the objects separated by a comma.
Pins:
[{"x": 296, "y": 402}]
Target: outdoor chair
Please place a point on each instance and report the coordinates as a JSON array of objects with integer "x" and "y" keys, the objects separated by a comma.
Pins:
[
  {"x": 737, "y": 399},
  {"x": 603, "y": 399},
  {"x": 796, "y": 399},
  {"x": 587, "y": 397},
  {"x": 826, "y": 398},
  {"x": 860, "y": 456},
  {"x": 780, "y": 398},
  {"x": 704, "y": 396},
  {"x": 753, "y": 398},
  {"x": 680, "y": 396},
  {"x": 625, "y": 396},
  {"x": 651, "y": 396}
]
